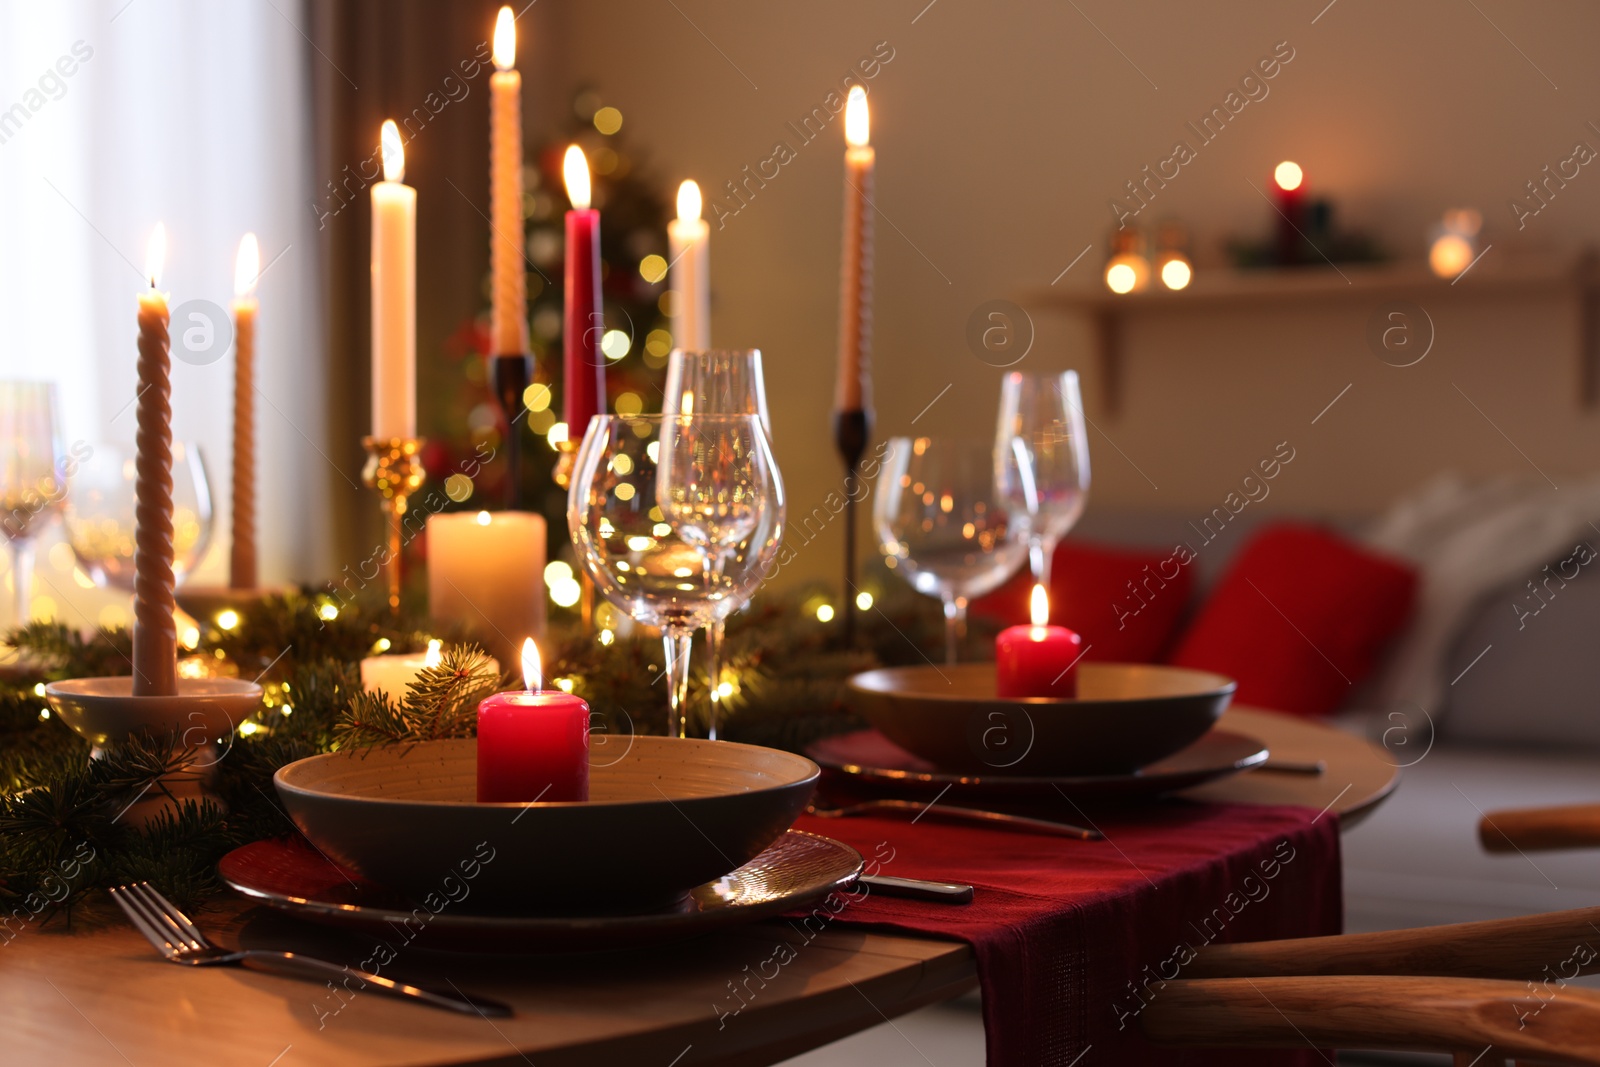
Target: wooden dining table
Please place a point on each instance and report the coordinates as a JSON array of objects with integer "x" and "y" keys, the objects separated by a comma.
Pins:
[{"x": 103, "y": 996}]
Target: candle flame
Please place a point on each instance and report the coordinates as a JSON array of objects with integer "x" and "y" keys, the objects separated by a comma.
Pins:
[
  {"x": 1039, "y": 608},
  {"x": 532, "y": 678},
  {"x": 394, "y": 152},
  {"x": 689, "y": 202},
  {"x": 505, "y": 40},
  {"x": 435, "y": 656},
  {"x": 575, "y": 169},
  {"x": 247, "y": 267},
  {"x": 1288, "y": 176},
  {"x": 156, "y": 254},
  {"x": 855, "y": 117}
]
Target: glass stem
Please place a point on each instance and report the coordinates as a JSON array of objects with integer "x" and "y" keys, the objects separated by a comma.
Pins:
[
  {"x": 955, "y": 625},
  {"x": 714, "y": 675},
  {"x": 22, "y": 581},
  {"x": 677, "y": 647},
  {"x": 1040, "y": 552}
]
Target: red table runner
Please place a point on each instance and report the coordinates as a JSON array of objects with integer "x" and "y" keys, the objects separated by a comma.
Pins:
[{"x": 1073, "y": 938}]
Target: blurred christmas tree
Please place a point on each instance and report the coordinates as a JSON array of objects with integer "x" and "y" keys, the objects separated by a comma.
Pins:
[{"x": 633, "y": 245}]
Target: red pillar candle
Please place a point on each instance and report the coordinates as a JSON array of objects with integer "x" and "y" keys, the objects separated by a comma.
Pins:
[
  {"x": 584, "y": 365},
  {"x": 1039, "y": 660},
  {"x": 533, "y": 744}
]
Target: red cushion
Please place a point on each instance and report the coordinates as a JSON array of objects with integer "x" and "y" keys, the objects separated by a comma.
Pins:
[
  {"x": 1125, "y": 603},
  {"x": 1300, "y": 618}
]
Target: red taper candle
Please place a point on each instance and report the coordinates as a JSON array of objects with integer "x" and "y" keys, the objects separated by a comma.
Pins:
[{"x": 585, "y": 386}]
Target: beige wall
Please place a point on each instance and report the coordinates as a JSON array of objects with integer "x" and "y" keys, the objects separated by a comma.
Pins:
[{"x": 1004, "y": 129}]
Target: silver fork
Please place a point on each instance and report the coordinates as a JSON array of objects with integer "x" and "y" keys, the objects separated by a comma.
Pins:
[
  {"x": 957, "y": 812},
  {"x": 180, "y": 941}
]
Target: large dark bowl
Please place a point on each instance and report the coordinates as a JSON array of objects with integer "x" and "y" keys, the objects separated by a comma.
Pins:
[
  {"x": 665, "y": 816},
  {"x": 1126, "y": 715}
]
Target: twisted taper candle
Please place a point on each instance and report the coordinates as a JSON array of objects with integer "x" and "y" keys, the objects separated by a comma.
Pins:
[
  {"x": 155, "y": 635},
  {"x": 242, "y": 559}
]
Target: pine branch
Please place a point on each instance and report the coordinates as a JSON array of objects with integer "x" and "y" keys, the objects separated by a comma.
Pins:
[{"x": 441, "y": 703}]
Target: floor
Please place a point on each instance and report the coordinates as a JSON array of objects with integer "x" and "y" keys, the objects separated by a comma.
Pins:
[{"x": 1414, "y": 862}]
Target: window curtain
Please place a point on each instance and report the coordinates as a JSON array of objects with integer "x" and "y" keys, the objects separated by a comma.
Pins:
[{"x": 117, "y": 114}]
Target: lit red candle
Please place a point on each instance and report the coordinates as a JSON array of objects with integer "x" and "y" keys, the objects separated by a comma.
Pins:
[
  {"x": 1289, "y": 183},
  {"x": 533, "y": 744},
  {"x": 584, "y": 365},
  {"x": 1038, "y": 660}
]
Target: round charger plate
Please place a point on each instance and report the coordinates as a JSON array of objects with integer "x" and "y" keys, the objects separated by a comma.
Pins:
[
  {"x": 868, "y": 756},
  {"x": 291, "y": 876}
]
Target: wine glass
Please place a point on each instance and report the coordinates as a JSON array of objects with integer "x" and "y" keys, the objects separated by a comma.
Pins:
[
  {"x": 718, "y": 382},
  {"x": 675, "y": 519},
  {"x": 100, "y": 514},
  {"x": 1041, "y": 459},
  {"x": 32, "y": 478},
  {"x": 942, "y": 525}
]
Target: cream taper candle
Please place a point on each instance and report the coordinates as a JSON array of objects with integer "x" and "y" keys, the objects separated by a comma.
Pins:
[
  {"x": 852, "y": 392},
  {"x": 155, "y": 634},
  {"x": 508, "y": 334},
  {"x": 689, "y": 251},
  {"x": 242, "y": 557},
  {"x": 394, "y": 295}
]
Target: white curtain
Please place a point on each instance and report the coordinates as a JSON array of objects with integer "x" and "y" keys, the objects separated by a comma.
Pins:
[{"x": 117, "y": 114}]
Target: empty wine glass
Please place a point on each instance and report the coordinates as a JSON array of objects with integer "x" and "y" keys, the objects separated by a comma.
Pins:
[
  {"x": 675, "y": 519},
  {"x": 32, "y": 478},
  {"x": 1041, "y": 459},
  {"x": 718, "y": 382},
  {"x": 942, "y": 525},
  {"x": 100, "y": 514}
]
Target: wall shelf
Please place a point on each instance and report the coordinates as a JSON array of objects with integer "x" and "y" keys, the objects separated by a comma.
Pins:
[{"x": 1577, "y": 275}]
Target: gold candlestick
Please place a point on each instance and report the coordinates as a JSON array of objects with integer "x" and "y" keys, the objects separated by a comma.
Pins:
[
  {"x": 562, "y": 476},
  {"x": 394, "y": 469}
]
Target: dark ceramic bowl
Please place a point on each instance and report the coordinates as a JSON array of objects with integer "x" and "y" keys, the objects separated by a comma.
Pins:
[
  {"x": 663, "y": 817},
  {"x": 1126, "y": 715}
]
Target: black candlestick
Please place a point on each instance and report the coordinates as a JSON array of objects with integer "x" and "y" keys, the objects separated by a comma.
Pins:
[
  {"x": 851, "y": 430},
  {"x": 511, "y": 377}
]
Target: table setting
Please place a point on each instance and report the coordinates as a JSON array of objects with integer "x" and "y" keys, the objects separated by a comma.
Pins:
[{"x": 469, "y": 778}]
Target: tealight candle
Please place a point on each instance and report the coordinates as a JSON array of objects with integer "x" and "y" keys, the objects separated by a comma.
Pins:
[
  {"x": 1038, "y": 660},
  {"x": 394, "y": 674},
  {"x": 533, "y": 744}
]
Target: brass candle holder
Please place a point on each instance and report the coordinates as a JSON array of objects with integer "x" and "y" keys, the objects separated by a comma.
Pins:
[{"x": 394, "y": 469}]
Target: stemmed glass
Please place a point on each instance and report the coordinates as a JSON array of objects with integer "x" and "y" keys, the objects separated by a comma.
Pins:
[
  {"x": 941, "y": 523},
  {"x": 32, "y": 478},
  {"x": 719, "y": 382},
  {"x": 676, "y": 520},
  {"x": 1041, "y": 458},
  {"x": 100, "y": 514}
]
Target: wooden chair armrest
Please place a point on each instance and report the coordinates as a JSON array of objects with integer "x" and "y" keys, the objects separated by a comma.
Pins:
[
  {"x": 1459, "y": 1015},
  {"x": 1527, "y": 829},
  {"x": 1557, "y": 945}
]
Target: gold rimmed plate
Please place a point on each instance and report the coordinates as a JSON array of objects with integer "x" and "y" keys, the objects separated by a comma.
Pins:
[
  {"x": 869, "y": 757},
  {"x": 291, "y": 876}
]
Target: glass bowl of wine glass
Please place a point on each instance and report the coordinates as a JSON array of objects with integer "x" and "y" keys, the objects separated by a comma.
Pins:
[
  {"x": 99, "y": 514},
  {"x": 942, "y": 525}
]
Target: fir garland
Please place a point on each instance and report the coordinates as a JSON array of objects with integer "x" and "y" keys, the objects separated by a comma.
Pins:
[{"x": 63, "y": 839}]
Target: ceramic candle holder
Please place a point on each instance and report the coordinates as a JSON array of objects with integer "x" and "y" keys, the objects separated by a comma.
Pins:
[{"x": 204, "y": 715}]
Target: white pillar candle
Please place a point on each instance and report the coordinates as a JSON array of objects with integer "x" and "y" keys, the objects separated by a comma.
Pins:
[
  {"x": 394, "y": 295},
  {"x": 394, "y": 674},
  {"x": 689, "y": 251},
  {"x": 486, "y": 573}
]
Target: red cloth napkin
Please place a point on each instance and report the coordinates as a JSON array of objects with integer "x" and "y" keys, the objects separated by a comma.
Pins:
[{"x": 1073, "y": 937}]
